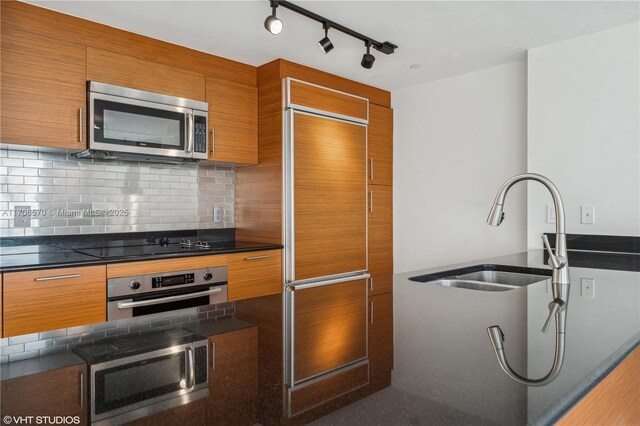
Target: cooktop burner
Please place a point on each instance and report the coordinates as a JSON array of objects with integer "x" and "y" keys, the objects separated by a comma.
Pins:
[{"x": 185, "y": 246}]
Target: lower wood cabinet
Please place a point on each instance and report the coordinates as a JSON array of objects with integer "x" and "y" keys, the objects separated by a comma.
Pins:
[
  {"x": 380, "y": 341},
  {"x": 59, "y": 392},
  {"x": 380, "y": 239},
  {"x": 233, "y": 378},
  {"x": 50, "y": 299},
  {"x": 254, "y": 274}
]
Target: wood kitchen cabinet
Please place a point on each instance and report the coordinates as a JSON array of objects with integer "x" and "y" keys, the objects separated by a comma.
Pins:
[
  {"x": 380, "y": 145},
  {"x": 380, "y": 341},
  {"x": 233, "y": 121},
  {"x": 43, "y": 87},
  {"x": 254, "y": 274},
  {"x": 50, "y": 299},
  {"x": 57, "y": 392},
  {"x": 233, "y": 378},
  {"x": 380, "y": 239},
  {"x": 192, "y": 414}
]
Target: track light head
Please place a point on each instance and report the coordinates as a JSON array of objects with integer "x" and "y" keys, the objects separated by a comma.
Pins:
[
  {"x": 272, "y": 23},
  {"x": 368, "y": 59},
  {"x": 325, "y": 43}
]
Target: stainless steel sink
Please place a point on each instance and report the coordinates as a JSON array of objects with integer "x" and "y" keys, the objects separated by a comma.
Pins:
[
  {"x": 473, "y": 285},
  {"x": 505, "y": 278}
]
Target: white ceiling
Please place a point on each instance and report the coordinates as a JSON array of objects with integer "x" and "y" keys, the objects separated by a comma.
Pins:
[{"x": 445, "y": 38}]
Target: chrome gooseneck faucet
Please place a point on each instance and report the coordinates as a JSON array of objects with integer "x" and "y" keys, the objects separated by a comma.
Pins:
[{"x": 559, "y": 281}]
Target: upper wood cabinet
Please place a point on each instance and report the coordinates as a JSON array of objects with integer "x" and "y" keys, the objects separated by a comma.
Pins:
[
  {"x": 255, "y": 274},
  {"x": 54, "y": 298},
  {"x": 310, "y": 96},
  {"x": 127, "y": 71},
  {"x": 233, "y": 121},
  {"x": 380, "y": 145},
  {"x": 58, "y": 392},
  {"x": 43, "y": 88}
]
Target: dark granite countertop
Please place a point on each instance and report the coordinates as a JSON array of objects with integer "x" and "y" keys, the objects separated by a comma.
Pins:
[
  {"x": 13, "y": 370},
  {"x": 443, "y": 354},
  {"x": 212, "y": 328},
  {"x": 34, "y": 253}
]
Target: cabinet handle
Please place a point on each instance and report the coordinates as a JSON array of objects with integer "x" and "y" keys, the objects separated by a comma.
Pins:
[
  {"x": 371, "y": 310},
  {"x": 57, "y": 277},
  {"x": 257, "y": 257},
  {"x": 213, "y": 355},
  {"x": 81, "y": 390},
  {"x": 213, "y": 138},
  {"x": 371, "y": 168},
  {"x": 370, "y": 201},
  {"x": 371, "y": 284},
  {"x": 80, "y": 126}
]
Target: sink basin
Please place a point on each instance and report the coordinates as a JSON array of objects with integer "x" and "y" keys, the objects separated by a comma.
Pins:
[
  {"x": 473, "y": 285},
  {"x": 486, "y": 277}
]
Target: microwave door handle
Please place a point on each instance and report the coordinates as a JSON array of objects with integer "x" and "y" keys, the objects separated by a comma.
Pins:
[
  {"x": 129, "y": 305},
  {"x": 190, "y": 372},
  {"x": 188, "y": 118}
]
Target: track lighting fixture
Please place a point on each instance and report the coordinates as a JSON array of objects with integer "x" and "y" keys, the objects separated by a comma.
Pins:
[
  {"x": 325, "y": 43},
  {"x": 367, "y": 59},
  {"x": 272, "y": 23},
  {"x": 274, "y": 26}
]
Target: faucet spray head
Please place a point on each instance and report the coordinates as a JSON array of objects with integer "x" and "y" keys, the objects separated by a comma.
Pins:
[{"x": 496, "y": 215}]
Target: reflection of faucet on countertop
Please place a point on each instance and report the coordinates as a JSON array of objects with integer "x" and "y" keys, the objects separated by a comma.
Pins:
[{"x": 559, "y": 282}]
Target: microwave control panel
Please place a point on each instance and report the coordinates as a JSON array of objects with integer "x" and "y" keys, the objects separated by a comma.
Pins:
[{"x": 200, "y": 133}]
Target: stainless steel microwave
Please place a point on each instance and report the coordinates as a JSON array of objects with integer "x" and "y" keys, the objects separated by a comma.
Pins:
[{"x": 135, "y": 122}]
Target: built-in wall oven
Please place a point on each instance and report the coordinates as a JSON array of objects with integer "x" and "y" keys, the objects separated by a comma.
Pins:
[
  {"x": 138, "y": 295},
  {"x": 136, "y": 376},
  {"x": 129, "y": 121}
]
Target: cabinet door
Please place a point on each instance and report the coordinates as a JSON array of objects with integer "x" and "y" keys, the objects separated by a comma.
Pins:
[
  {"x": 380, "y": 340},
  {"x": 233, "y": 377},
  {"x": 113, "y": 68},
  {"x": 316, "y": 98},
  {"x": 43, "y": 89},
  {"x": 233, "y": 120},
  {"x": 54, "y": 298},
  {"x": 380, "y": 239},
  {"x": 380, "y": 145},
  {"x": 329, "y": 192},
  {"x": 60, "y": 392},
  {"x": 192, "y": 414},
  {"x": 254, "y": 274}
]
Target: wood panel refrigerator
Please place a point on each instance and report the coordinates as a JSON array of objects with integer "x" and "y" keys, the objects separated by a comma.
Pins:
[{"x": 325, "y": 193}]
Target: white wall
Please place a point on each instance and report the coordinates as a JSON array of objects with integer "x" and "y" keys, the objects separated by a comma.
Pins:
[
  {"x": 584, "y": 132},
  {"x": 455, "y": 142}
]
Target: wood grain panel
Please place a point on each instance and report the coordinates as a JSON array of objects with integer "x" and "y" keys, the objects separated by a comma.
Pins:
[
  {"x": 259, "y": 188},
  {"x": 281, "y": 68},
  {"x": 233, "y": 114},
  {"x": 327, "y": 100},
  {"x": 253, "y": 275},
  {"x": 31, "y": 306},
  {"x": 329, "y": 197},
  {"x": 381, "y": 240},
  {"x": 380, "y": 145},
  {"x": 614, "y": 401},
  {"x": 165, "y": 265},
  {"x": 380, "y": 340},
  {"x": 233, "y": 383},
  {"x": 123, "y": 70},
  {"x": 61, "y": 27},
  {"x": 191, "y": 414},
  {"x": 1, "y": 308},
  {"x": 52, "y": 393},
  {"x": 330, "y": 327},
  {"x": 331, "y": 387},
  {"x": 43, "y": 88}
]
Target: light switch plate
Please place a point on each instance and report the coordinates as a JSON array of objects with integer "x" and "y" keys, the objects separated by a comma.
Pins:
[
  {"x": 588, "y": 288},
  {"x": 588, "y": 215},
  {"x": 551, "y": 214},
  {"x": 218, "y": 214}
]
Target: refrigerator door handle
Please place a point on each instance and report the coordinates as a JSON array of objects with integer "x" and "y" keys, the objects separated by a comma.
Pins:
[{"x": 294, "y": 287}]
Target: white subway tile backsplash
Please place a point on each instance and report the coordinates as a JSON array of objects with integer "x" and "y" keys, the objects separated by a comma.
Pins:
[{"x": 156, "y": 197}]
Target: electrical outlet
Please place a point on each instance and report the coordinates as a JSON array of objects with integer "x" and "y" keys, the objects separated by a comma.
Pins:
[
  {"x": 22, "y": 217},
  {"x": 218, "y": 214},
  {"x": 551, "y": 214},
  {"x": 588, "y": 215},
  {"x": 588, "y": 288}
]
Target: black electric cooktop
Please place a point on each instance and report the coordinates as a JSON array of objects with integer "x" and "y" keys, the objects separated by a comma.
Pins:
[{"x": 115, "y": 251}]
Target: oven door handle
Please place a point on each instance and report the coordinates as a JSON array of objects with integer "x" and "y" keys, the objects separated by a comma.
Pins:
[{"x": 129, "y": 305}]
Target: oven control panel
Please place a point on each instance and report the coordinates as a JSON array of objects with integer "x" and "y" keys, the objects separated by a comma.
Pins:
[{"x": 171, "y": 280}]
